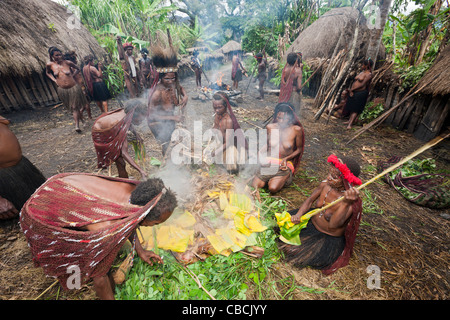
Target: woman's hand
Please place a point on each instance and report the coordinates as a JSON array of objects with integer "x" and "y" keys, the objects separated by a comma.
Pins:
[
  {"x": 351, "y": 195},
  {"x": 7, "y": 209},
  {"x": 149, "y": 256}
]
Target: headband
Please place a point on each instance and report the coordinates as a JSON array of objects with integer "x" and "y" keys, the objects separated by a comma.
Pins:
[
  {"x": 342, "y": 167},
  {"x": 128, "y": 45},
  {"x": 167, "y": 69}
]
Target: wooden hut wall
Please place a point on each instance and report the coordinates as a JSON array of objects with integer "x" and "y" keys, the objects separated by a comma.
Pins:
[
  {"x": 423, "y": 115},
  {"x": 20, "y": 93}
]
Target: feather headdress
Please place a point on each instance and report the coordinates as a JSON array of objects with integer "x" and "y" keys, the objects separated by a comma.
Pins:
[{"x": 165, "y": 59}]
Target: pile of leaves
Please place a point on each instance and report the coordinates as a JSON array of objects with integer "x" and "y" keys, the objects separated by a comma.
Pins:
[{"x": 419, "y": 181}]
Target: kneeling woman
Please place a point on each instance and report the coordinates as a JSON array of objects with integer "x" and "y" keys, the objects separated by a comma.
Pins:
[
  {"x": 290, "y": 145},
  {"x": 327, "y": 241}
]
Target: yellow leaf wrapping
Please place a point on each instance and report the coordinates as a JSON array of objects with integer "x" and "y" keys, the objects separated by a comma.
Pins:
[
  {"x": 185, "y": 220},
  {"x": 218, "y": 243},
  {"x": 241, "y": 201},
  {"x": 238, "y": 240},
  {"x": 240, "y": 225},
  {"x": 253, "y": 224},
  {"x": 145, "y": 236},
  {"x": 174, "y": 238},
  {"x": 230, "y": 211},
  {"x": 223, "y": 201}
]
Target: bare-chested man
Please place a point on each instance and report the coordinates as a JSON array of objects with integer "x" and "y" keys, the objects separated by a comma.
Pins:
[
  {"x": 237, "y": 70},
  {"x": 359, "y": 92},
  {"x": 290, "y": 147},
  {"x": 163, "y": 99},
  {"x": 262, "y": 76},
  {"x": 323, "y": 240},
  {"x": 146, "y": 70},
  {"x": 19, "y": 178}
]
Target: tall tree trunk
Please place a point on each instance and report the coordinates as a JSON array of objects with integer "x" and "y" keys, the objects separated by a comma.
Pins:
[
  {"x": 377, "y": 32},
  {"x": 434, "y": 10}
]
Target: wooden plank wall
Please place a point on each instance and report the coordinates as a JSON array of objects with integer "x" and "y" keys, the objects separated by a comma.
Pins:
[
  {"x": 22, "y": 93},
  {"x": 423, "y": 115}
]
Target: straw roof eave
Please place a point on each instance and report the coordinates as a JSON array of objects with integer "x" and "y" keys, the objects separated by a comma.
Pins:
[
  {"x": 28, "y": 29},
  {"x": 437, "y": 78}
]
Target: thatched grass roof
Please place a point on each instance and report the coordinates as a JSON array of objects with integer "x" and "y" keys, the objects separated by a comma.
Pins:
[
  {"x": 29, "y": 27},
  {"x": 320, "y": 38},
  {"x": 230, "y": 46},
  {"x": 441, "y": 70}
]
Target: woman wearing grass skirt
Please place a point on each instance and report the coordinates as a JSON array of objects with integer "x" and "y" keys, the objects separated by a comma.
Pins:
[
  {"x": 327, "y": 241},
  {"x": 62, "y": 73}
]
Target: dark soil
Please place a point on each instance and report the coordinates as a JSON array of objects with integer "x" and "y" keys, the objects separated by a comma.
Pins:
[{"x": 409, "y": 243}]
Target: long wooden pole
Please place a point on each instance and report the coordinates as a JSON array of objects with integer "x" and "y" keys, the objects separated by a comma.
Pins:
[{"x": 395, "y": 166}]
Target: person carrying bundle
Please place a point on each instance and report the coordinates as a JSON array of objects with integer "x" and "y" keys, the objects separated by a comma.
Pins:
[
  {"x": 109, "y": 134},
  {"x": 76, "y": 223}
]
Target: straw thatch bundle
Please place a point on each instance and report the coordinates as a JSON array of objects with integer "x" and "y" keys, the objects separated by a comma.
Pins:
[
  {"x": 440, "y": 70},
  {"x": 331, "y": 33},
  {"x": 27, "y": 29},
  {"x": 230, "y": 46}
]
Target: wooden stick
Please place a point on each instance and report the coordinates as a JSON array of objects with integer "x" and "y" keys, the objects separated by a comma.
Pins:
[
  {"x": 395, "y": 166},
  {"x": 51, "y": 286},
  {"x": 307, "y": 80}
]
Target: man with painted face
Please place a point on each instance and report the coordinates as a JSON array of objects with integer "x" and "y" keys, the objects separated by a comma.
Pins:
[
  {"x": 290, "y": 145},
  {"x": 165, "y": 96},
  {"x": 327, "y": 241}
]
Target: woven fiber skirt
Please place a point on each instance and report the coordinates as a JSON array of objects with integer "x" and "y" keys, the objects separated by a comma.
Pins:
[
  {"x": 72, "y": 98},
  {"x": 318, "y": 250},
  {"x": 101, "y": 92},
  {"x": 19, "y": 182}
]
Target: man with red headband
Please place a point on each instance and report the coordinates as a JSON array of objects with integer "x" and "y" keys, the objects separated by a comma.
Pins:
[
  {"x": 128, "y": 61},
  {"x": 327, "y": 241}
]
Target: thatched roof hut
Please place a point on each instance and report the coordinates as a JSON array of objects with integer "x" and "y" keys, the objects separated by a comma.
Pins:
[
  {"x": 331, "y": 33},
  {"x": 27, "y": 29}
]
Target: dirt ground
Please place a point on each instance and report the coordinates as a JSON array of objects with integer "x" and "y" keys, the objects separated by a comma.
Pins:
[{"x": 409, "y": 243}]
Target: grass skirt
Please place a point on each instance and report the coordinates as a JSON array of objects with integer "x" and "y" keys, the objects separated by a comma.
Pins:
[
  {"x": 18, "y": 183},
  {"x": 318, "y": 250},
  {"x": 72, "y": 98}
]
